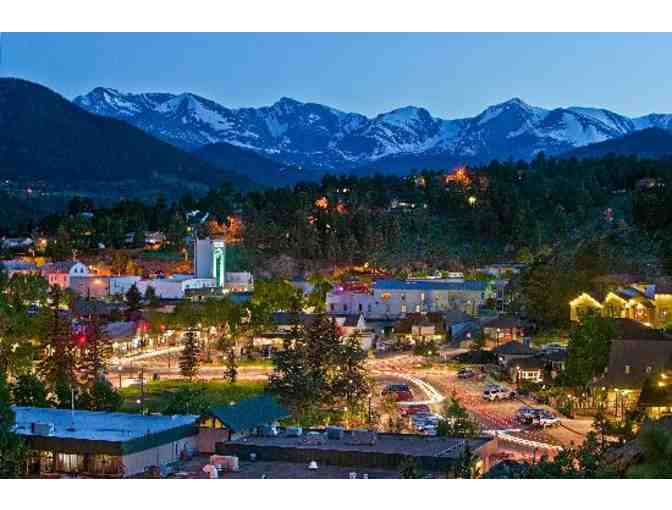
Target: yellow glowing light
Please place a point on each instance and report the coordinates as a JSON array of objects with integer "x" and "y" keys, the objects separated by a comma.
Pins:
[{"x": 471, "y": 200}]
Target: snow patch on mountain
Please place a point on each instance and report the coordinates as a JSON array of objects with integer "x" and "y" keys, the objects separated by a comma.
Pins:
[{"x": 314, "y": 135}]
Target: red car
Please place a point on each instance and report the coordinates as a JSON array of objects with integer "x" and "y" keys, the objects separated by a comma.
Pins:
[{"x": 417, "y": 409}]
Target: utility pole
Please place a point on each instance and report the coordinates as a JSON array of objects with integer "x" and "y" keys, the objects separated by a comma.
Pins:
[{"x": 142, "y": 390}]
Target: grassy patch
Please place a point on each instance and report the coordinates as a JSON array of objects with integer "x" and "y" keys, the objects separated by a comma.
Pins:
[
  {"x": 158, "y": 393},
  {"x": 255, "y": 363}
]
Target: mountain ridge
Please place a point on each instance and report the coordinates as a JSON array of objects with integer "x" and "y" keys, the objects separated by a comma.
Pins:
[
  {"x": 319, "y": 137},
  {"x": 45, "y": 138}
]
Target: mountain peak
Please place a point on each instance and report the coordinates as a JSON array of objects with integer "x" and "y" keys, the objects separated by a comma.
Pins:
[{"x": 287, "y": 101}]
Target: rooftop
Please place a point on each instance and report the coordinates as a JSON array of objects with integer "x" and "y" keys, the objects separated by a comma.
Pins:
[
  {"x": 513, "y": 348},
  {"x": 406, "y": 444},
  {"x": 96, "y": 426},
  {"x": 473, "y": 285},
  {"x": 250, "y": 413}
]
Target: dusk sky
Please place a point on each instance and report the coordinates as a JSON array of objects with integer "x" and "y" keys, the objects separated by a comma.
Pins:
[{"x": 452, "y": 75}]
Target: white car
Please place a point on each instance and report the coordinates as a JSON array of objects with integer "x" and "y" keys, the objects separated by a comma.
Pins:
[
  {"x": 546, "y": 419},
  {"x": 497, "y": 393}
]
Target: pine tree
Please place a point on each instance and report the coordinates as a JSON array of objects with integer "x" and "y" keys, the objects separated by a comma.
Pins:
[
  {"x": 317, "y": 371},
  {"x": 95, "y": 351},
  {"x": 13, "y": 450},
  {"x": 57, "y": 365},
  {"x": 133, "y": 299},
  {"x": 189, "y": 355}
]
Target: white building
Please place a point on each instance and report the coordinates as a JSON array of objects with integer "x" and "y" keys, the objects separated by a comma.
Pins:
[
  {"x": 396, "y": 298},
  {"x": 119, "y": 285},
  {"x": 175, "y": 286},
  {"x": 239, "y": 282},
  {"x": 210, "y": 260}
]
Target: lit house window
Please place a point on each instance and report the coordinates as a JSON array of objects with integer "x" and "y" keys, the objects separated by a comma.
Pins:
[
  {"x": 403, "y": 308},
  {"x": 627, "y": 369},
  {"x": 417, "y": 308}
]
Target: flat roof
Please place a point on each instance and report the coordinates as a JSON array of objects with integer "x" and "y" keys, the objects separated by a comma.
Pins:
[
  {"x": 386, "y": 443},
  {"x": 96, "y": 426},
  {"x": 472, "y": 285}
]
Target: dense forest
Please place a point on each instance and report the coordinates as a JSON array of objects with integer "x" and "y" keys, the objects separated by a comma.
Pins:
[{"x": 507, "y": 209}]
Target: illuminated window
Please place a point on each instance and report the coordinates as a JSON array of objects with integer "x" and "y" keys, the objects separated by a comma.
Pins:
[
  {"x": 627, "y": 369},
  {"x": 403, "y": 308}
]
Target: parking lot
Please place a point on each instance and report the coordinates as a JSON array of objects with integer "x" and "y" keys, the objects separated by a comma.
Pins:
[{"x": 500, "y": 414}]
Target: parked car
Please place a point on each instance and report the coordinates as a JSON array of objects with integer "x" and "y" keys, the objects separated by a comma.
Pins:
[
  {"x": 465, "y": 373},
  {"x": 526, "y": 415},
  {"x": 414, "y": 409},
  {"x": 496, "y": 392},
  {"x": 546, "y": 419}
]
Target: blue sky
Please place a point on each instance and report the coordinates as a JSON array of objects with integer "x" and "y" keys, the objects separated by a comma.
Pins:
[{"x": 452, "y": 75}]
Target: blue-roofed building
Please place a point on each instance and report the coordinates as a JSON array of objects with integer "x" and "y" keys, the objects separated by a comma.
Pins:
[
  {"x": 101, "y": 443},
  {"x": 391, "y": 298}
]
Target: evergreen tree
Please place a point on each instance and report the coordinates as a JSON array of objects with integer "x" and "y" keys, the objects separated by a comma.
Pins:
[
  {"x": 316, "y": 371},
  {"x": 133, "y": 299},
  {"x": 95, "y": 351},
  {"x": 13, "y": 450},
  {"x": 100, "y": 395},
  {"x": 151, "y": 298},
  {"x": 457, "y": 421},
  {"x": 29, "y": 391},
  {"x": 189, "y": 355},
  {"x": 57, "y": 364}
]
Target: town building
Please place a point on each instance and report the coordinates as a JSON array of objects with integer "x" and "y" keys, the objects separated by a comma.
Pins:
[
  {"x": 395, "y": 298},
  {"x": 238, "y": 420},
  {"x": 239, "y": 281},
  {"x": 359, "y": 449},
  {"x": 419, "y": 328},
  {"x": 17, "y": 243},
  {"x": 502, "y": 270},
  {"x": 647, "y": 303},
  {"x": 120, "y": 285},
  {"x": 504, "y": 329},
  {"x": 12, "y": 267},
  {"x": 90, "y": 286},
  {"x": 210, "y": 260},
  {"x": 59, "y": 273},
  {"x": 512, "y": 351},
  {"x": 175, "y": 286},
  {"x": 101, "y": 443},
  {"x": 637, "y": 353},
  {"x": 527, "y": 369}
]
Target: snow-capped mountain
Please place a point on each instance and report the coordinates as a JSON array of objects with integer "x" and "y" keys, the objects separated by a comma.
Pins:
[{"x": 317, "y": 136}]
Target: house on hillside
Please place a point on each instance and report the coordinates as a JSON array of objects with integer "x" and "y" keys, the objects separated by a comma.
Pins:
[
  {"x": 638, "y": 353},
  {"x": 647, "y": 303},
  {"x": 512, "y": 351},
  {"x": 504, "y": 329},
  {"x": 420, "y": 328}
]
